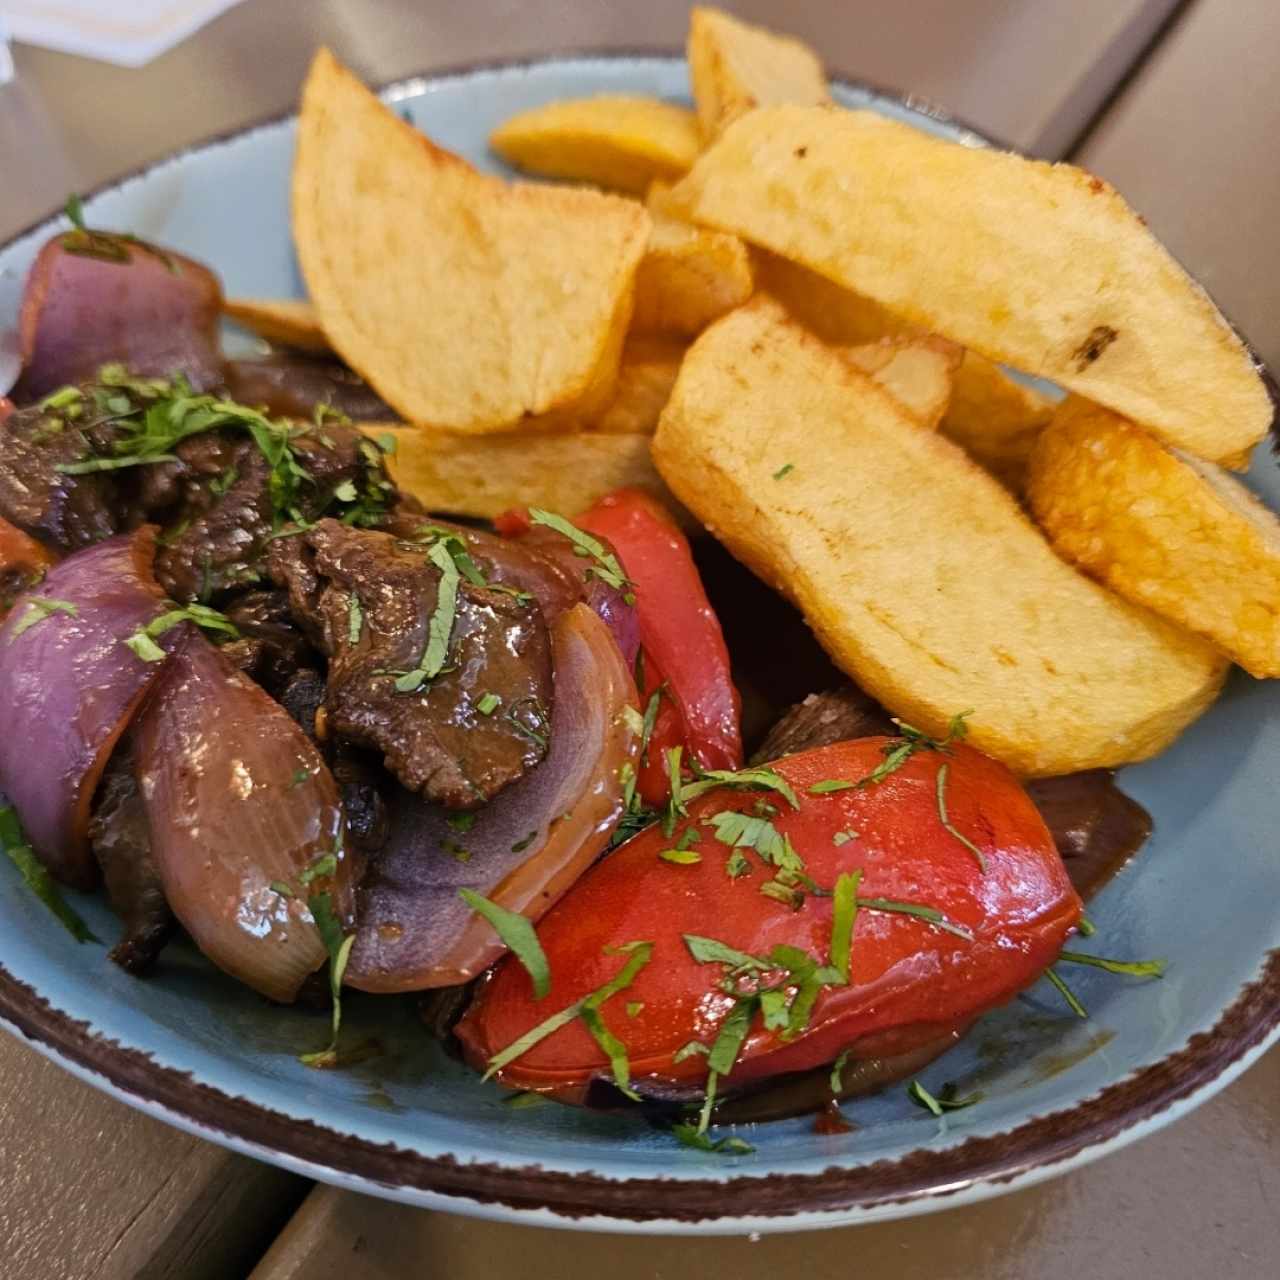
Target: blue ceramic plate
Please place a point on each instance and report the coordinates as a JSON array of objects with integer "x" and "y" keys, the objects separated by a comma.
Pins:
[{"x": 205, "y": 1053}]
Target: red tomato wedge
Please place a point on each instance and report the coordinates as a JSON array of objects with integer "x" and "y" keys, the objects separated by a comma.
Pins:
[
  {"x": 679, "y": 632},
  {"x": 910, "y": 980}
]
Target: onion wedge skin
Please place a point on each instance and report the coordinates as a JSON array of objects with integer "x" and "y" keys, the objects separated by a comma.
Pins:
[
  {"x": 70, "y": 687},
  {"x": 524, "y": 850},
  {"x": 241, "y": 807}
]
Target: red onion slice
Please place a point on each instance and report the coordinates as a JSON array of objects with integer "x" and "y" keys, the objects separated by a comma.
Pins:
[
  {"x": 241, "y": 806},
  {"x": 93, "y": 298},
  {"x": 525, "y": 848},
  {"x": 69, "y": 687}
]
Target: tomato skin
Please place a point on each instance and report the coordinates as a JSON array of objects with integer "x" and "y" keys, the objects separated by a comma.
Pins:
[
  {"x": 22, "y": 561},
  {"x": 910, "y": 980},
  {"x": 679, "y": 632}
]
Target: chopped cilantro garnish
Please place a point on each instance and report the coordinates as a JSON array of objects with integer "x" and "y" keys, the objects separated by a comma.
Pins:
[
  {"x": 143, "y": 641},
  {"x": 688, "y": 1050},
  {"x": 74, "y": 209},
  {"x": 355, "y": 619},
  {"x": 689, "y": 1135},
  {"x": 440, "y": 627},
  {"x": 518, "y": 936},
  {"x": 712, "y": 951},
  {"x": 606, "y": 567},
  {"x": 339, "y": 948},
  {"x": 299, "y": 777},
  {"x": 1067, "y": 994},
  {"x": 488, "y": 704},
  {"x": 785, "y": 470},
  {"x": 1127, "y": 968},
  {"x": 280, "y": 887},
  {"x": 829, "y": 785},
  {"x": 38, "y": 609},
  {"x": 37, "y": 877},
  {"x": 634, "y": 1007},
  {"x": 325, "y": 865},
  {"x": 613, "y": 1048},
  {"x": 945, "y": 1100},
  {"x": 632, "y": 719},
  {"x": 946, "y": 821},
  {"x": 843, "y": 837},
  {"x": 737, "y": 865},
  {"x": 790, "y": 897},
  {"x": 746, "y": 831},
  {"x": 650, "y": 717},
  {"x": 837, "y": 1072},
  {"x": 638, "y": 955},
  {"x": 1086, "y": 927},
  {"x": 388, "y": 443},
  {"x": 522, "y": 844},
  {"x": 844, "y": 915},
  {"x": 681, "y": 857},
  {"x": 930, "y": 914}
]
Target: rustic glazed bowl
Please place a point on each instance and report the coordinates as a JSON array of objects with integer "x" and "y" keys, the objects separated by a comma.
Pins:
[{"x": 198, "y": 1050}]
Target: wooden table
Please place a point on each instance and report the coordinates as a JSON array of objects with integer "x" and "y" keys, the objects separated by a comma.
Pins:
[{"x": 93, "y": 1189}]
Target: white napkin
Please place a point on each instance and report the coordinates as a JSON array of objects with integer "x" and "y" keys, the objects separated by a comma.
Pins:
[{"x": 126, "y": 32}]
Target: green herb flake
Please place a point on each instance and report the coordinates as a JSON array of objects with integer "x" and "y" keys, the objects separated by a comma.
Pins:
[
  {"x": 1067, "y": 994},
  {"x": 843, "y": 837},
  {"x": 712, "y": 951},
  {"x": 488, "y": 704},
  {"x": 1126, "y": 968},
  {"x": 634, "y": 1008},
  {"x": 522, "y": 1101},
  {"x": 74, "y": 210},
  {"x": 606, "y": 567},
  {"x": 440, "y": 628},
  {"x": 945, "y": 1101},
  {"x": 650, "y": 717},
  {"x": 929, "y": 914},
  {"x": 785, "y": 470},
  {"x": 326, "y": 865},
  {"x": 345, "y": 492},
  {"x": 461, "y": 822},
  {"x": 280, "y": 887},
  {"x": 300, "y": 777},
  {"x": 638, "y": 955},
  {"x": 689, "y": 1135},
  {"x": 339, "y": 948},
  {"x": 38, "y": 609},
  {"x": 143, "y": 641},
  {"x": 37, "y": 877},
  {"x": 790, "y": 897},
  {"x": 521, "y": 845},
  {"x": 355, "y": 619},
  {"x": 518, "y": 936},
  {"x": 388, "y": 444},
  {"x": 689, "y": 1049},
  {"x": 844, "y": 916},
  {"x": 681, "y": 857},
  {"x": 837, "y": 1072},
  {"x": 831, "y": 785},
  {"x": 1086, "y": 927},
  {"x": 737, "y": 865},
  {"x": 941, "y": 791},
  {"x": 613, "y": 1049}
]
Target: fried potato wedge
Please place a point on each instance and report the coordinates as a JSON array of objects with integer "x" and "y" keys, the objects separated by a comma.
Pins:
[
  {"x": 918, "y": 373},
  {"x": 1171, "y": 532},
  {"x": 288, "y": 322},
  {"x": 996, "y": 419},
  {"x": 689, "y": 277},
  {"x": 482, "y": 476},
  {"x": 463, "y": 300},
  {"x": 917, "y": 570},
  {"x": 645, "y": 378},
  {"x": 1039, "y": 266},
  {"x": 735, "y": 67},
  {"x": 613, "y": 141}
]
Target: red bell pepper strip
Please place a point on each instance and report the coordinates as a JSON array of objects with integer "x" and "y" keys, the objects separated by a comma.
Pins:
[
  {"x": 680, "y": 635},
  {"x": 909, "y": 979}
]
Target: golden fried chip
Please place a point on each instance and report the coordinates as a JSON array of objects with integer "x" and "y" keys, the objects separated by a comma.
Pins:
[
  {"x": 1039, "y": 266},
  {"x": 482, "y": 476},
  {"x": 689, "y": 277},
  {"x": 1164, "y": 530},
  {"x": 917, "y": 372},
  {"x": 613, "y": 141},
  {"x": 645, "y": 378},
  {"x": 735, "y": 67},
  {"x": 465, "y": 301},
  {"x": 289, "y": 322},
  {"x": 996, "y": 418},
  {"x": 918, "y": 572}
]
